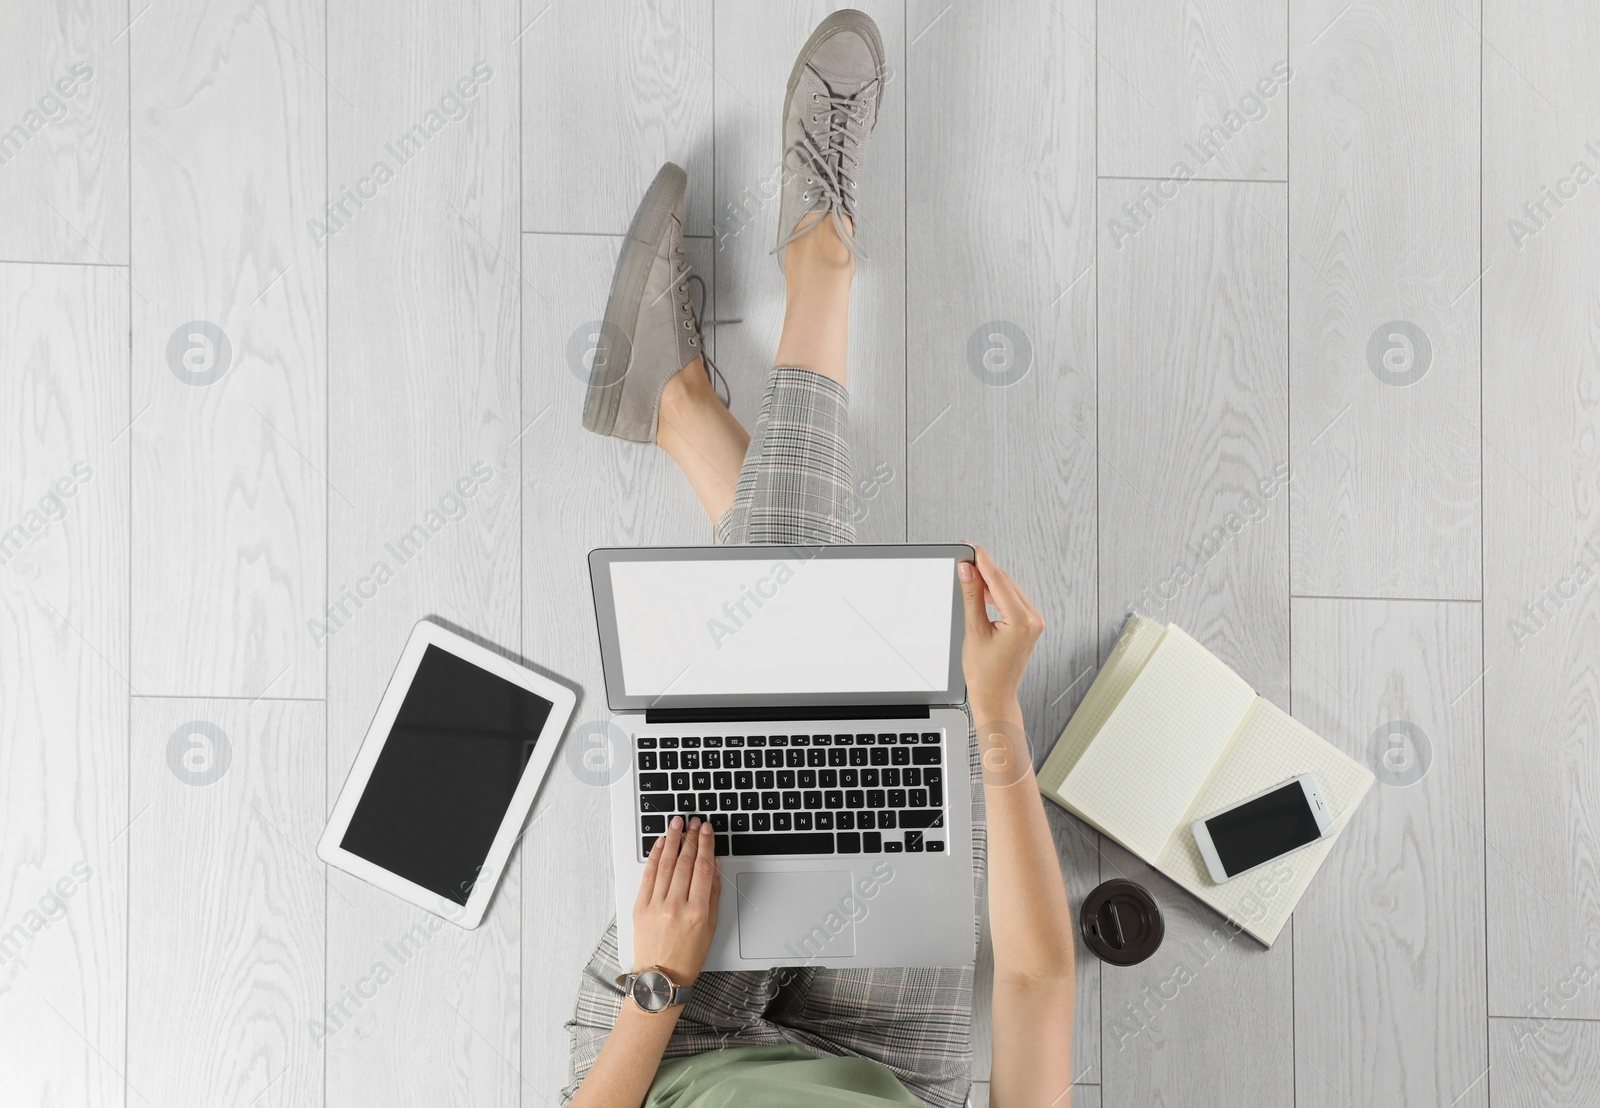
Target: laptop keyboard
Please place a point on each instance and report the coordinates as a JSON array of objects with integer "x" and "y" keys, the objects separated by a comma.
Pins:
[{"x": 766, "y": 795}]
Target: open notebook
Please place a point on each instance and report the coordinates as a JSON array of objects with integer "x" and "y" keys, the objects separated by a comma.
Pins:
[{"x": 1168, "y": 734}]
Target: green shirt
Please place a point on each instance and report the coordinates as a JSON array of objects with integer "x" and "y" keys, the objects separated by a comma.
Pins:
[{"x": 774, "y": 1077}]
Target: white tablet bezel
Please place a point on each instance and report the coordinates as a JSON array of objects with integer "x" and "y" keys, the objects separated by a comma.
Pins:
[{"x": 562, "y": 702}]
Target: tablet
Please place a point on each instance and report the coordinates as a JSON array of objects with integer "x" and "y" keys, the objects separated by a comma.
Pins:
[{"x": 446, "y": 774}]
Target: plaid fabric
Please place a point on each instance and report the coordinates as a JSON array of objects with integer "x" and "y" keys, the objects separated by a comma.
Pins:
[{"x": 796, "y": 488}]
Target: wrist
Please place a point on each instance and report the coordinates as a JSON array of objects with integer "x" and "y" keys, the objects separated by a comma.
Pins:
[
  {"x": 677, "y": 977},
  {"x": 999, "y": 709}
]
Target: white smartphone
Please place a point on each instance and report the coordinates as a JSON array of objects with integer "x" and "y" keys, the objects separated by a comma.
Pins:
[{"x": 1260, "y": 828}]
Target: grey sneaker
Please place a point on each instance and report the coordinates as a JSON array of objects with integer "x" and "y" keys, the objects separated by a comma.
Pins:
[
  {"x": 651, "y": 329},
  {"x": 828, "y": 117}
]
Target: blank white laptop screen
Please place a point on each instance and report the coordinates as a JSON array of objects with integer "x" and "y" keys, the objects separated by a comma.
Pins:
[{"x": 794, "y": 625}]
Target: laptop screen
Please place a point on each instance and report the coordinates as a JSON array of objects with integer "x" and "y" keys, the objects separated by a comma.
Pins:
[{"x": 781, "y": 626}]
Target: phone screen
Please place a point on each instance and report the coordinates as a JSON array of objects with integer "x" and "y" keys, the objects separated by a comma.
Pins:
[{"x": 1266, "y": 827}]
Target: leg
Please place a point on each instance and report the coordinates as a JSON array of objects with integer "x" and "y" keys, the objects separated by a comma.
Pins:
[
  {"x": 703, "y": 437},
  {"x": 819, "y": 269},
  {"x": 725, "y": 1011},
  {"x": 796, "y": 486},
  {"x": 706, "y": 440}
]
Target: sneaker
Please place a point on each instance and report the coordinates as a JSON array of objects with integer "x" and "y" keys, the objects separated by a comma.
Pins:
[
  {"x": 651, "y": 329},
  {"x": 828, "y": 117}
]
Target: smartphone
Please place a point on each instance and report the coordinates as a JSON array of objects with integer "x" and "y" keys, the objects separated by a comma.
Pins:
[{"x": 1260, "y": 828}]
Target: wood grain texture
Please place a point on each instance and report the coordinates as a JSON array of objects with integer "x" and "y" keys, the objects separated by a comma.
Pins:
[
  {"x": 1383, "y": 215},
  {"x": 1193, "y": 424},
  {"x": 1389, "y": 951},
  {"x": 228, "y": 477},
  {"x": 1554, "y": 1066},
  {"x": 1193, "y": 530},
  {"x": 426, "y": 289},
  {"x": 580, "y": 491},
  {"x": 756, "y": 47},
  {"x": 1200, "y": 85},
  {"x": 1000, "y": 388},
  {"x": 610, "y": 90},
  {"x": 1208, "y": 1020},
  {"x": 63, "y": 687},
  {"x": 226, "y": 911},
  {"x": 1541, "y": 458},
  {"x": 64, "y": 133}
]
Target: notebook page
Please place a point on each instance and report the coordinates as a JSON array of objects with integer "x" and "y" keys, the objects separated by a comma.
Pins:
[
  {"x": 1271, "y": 748},
  {"x": 1134, "y": 647},
  {"x": 1260, "y": 901},
  {"x": 1139, "y": 777}
]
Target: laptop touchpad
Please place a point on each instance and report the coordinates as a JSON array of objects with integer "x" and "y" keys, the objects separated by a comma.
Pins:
[{"x": 796, "y": 915}]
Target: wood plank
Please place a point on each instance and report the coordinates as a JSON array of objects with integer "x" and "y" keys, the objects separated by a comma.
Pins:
[
  {"x": 610, "y": 90},
  {"x": 756, "y": 47},
  {"x": 1556, "y": 1065},
  {"x": 1389, "y": 949},
  {"x": 64, "y": 133},
  {"x": 228, "y": 164},
  {"x": 1000, "y": 408},
  {"x": 227, "y": 903},
  {"x": 426, "y": 289},
  {"x": 63, "y": 688},
  {"x": 1541, "y": 521},
  {"x": 1193, "y": 530},
  {"x": 1384, "y": 313},
  {"x": 1201, "y": 85},
  {"x": 581, "y": 491}
]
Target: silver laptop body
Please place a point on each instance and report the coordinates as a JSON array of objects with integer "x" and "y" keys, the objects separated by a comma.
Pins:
[{"x": 807, "y": 701}]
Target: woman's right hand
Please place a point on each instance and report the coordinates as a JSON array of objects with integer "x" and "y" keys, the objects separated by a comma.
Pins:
[
  {"x": 995, "y": 653},
  {"x": 675, "y": 915}
]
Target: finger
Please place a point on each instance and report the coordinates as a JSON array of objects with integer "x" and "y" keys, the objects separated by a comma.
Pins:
[
  {"x": 705, "y": 870},
  {"x": 671, "y": 843},
  {"x": 1027, "y": 602},
  {"x": 652, "y": 866},
  {"x": 1000, "y": 587},
  {"x": 683, "y": 872},
  {"x": 716, "y": 885},
  {"x": 972, "y": 597}
]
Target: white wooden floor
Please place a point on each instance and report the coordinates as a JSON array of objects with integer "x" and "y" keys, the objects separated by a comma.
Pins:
[{"x": 1279, "y": 320}]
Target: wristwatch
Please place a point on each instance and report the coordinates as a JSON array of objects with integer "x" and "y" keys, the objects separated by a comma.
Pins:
[{"x": 653, "y": 991}]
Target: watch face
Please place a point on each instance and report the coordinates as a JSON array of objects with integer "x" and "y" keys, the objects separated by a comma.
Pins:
[{"x": 652, "y": 991}]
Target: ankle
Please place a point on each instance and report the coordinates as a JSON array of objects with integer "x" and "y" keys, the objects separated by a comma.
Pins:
[
  {"x": 684, "y": 392},
  {"x": 820, "y": 252}
]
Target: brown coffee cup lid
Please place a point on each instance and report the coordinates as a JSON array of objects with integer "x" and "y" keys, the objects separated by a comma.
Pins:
[{"x": 1121, "y": 923}]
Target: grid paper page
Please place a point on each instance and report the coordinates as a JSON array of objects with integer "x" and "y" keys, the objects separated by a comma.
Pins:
[
  {"x": 1140, "y": 775},
  {"x": 1271, "y": 748},
  {"x": 1133, "y": 649},
  {"x": 1260, "y": 901}
]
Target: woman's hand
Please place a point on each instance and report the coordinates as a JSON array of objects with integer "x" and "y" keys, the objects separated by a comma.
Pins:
[
  {"x": 994, "y": 654},
  {"x": 676, "y": 913}
]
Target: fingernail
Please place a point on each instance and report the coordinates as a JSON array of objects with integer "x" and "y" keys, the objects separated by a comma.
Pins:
[
  {"x": 694, "y": 822},
  {"x": 705, "y": 829},
  {"x": 965, "y": 570},
  {"x": 677, "y": 823}
]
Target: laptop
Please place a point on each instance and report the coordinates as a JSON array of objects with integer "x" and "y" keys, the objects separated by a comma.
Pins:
[{"x": 807, "y": 702}]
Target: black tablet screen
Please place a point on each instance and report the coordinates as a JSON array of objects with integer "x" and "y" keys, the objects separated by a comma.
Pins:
[{"x": 443, "y": 781}]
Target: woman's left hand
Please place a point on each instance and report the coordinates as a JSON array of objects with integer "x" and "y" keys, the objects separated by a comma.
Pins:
[{"x": 675, "y": 915}]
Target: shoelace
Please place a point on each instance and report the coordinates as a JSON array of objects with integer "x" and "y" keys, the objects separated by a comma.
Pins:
[
  {"x": 686, "y": 281},
  {"x": 830, "y": 165}
]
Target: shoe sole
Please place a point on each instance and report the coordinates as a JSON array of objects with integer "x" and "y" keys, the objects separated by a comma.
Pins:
[
  {"x": 614, "y": 349},
  {"x": 843, "y": 20}
]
